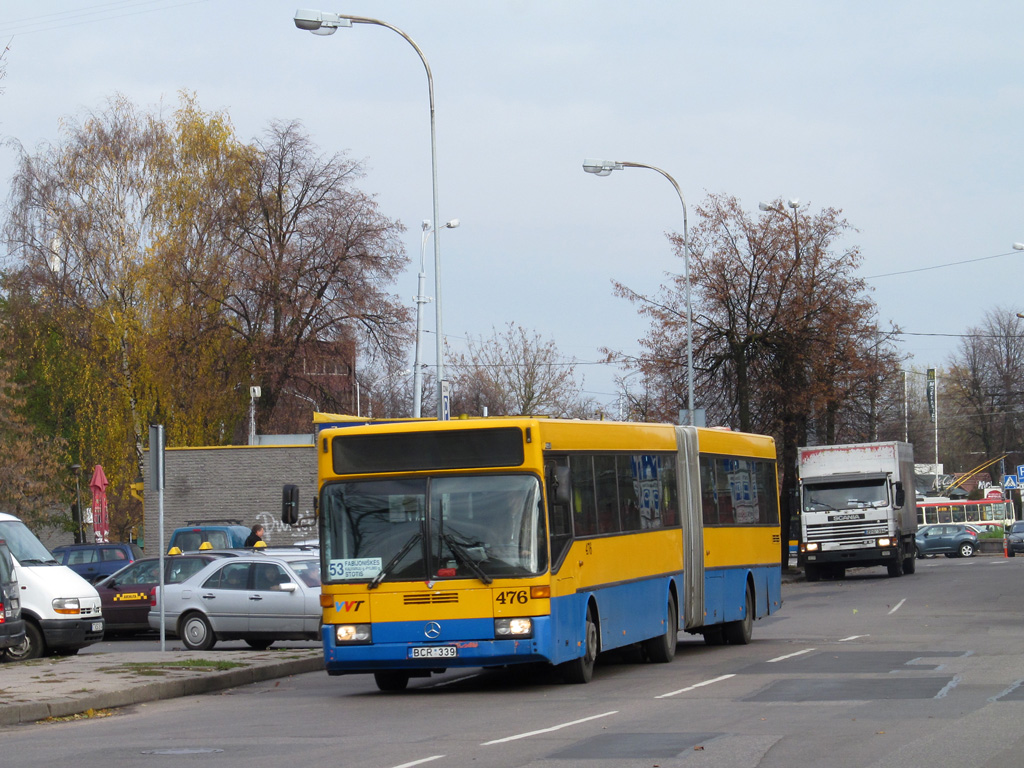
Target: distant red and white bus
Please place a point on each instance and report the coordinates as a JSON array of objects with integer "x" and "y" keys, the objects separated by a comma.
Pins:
[{"x": 979, "y": 513}]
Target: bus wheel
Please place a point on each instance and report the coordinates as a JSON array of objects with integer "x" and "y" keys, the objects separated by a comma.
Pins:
[
  {"x": 581, "y": 669},
  {"x": 713, "y": 635},
  {"x": 391, "y": 681},
  {"x": 739, "y": 632},
  {"x": 662, "y": 649}
]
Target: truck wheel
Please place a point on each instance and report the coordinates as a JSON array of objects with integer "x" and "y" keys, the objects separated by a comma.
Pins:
[
  {"x": 910, "y": 564},
  {"x": 812, "y": 572},
  {"x": 33, "y": 647},
  {"x": 896, "y": 566}
]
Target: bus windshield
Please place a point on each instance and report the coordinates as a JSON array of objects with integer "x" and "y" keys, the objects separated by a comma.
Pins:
[
  {"x": 424, "y": 529},
  {"x": 846, "y": 494}
]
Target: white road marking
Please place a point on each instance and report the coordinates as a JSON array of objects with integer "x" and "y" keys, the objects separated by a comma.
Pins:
[
  {"x": 694, "y": 686},
  {"x": 547, "y": 730},
  {"x": 790, "y": 655},
  {"x": 420, "y": 762},
  {"x": 853, "y": 637},
  {"x": 897, "y": 606}
]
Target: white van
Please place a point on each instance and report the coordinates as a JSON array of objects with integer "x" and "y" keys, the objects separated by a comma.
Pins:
[{"x": 61, "y": 610}]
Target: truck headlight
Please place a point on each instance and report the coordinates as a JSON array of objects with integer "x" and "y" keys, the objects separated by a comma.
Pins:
[
  {"x": 811, "y": 546},
  {"x": 68, "y": 606},
  {"x": 885, "y": 542},
  {"x": 513, "y": 628},
  {"x": 347, "y": 634}
]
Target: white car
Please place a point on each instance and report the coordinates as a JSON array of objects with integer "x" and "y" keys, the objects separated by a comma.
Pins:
[{"x": 258, "y": 599}]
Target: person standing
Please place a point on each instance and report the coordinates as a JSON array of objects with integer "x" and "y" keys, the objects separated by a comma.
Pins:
[{"x": 256, "y": 535}]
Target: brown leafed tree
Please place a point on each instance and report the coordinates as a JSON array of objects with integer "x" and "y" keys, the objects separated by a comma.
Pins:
[
  {"x": 311, "y": 260},
  {"x": 785, "y": 338}
]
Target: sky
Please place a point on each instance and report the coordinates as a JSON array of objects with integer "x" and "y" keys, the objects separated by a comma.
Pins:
[{"x": 907, "y": 116}]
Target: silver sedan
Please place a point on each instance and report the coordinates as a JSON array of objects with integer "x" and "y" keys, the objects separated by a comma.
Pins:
[{"x": 258, "y": 599}]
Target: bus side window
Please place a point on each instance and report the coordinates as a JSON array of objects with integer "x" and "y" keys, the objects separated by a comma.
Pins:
[{"x": 559, "y": 512}]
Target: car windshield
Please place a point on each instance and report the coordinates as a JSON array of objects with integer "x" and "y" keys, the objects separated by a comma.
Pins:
[
  {"x": 24, "y": 545},
  {"x": 846, "y": 494},
  {"x": 1017, "y": 528},
  {"x": 434, "y": 528}
]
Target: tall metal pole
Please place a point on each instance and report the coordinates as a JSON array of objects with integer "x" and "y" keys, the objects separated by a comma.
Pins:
[
  {"x": 421, "y": 299},
  {"x": 603, "y": 168},
  {"x": 318, "y": 22}
]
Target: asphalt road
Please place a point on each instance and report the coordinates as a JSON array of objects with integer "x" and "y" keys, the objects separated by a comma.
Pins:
[{"x": 923, "y": 670}]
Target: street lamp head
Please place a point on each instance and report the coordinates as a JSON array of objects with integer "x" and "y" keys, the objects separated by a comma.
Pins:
[
  {"x": 453, "y": 224},
  {"x": 765, "y": 207},
  {"x": 794, "y": 203},
  {"x": 1018, "y": 246},
  {"x": 426, "y": 224},
  {"x": 601, "y": 167},
  {"x": 320, "y": 22}
]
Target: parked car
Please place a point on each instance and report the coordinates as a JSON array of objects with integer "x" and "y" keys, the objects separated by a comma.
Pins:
[
  {"x": 96, "y": 561},
  {"x": 126, "y": 594},
  {"x": 1015, "y": 539},
  {"x": 951, "y": 540},
  {"x": 219, "y": 534},
  {"x": 12, "y": 626},
  {"x": 257, "y": 598}
]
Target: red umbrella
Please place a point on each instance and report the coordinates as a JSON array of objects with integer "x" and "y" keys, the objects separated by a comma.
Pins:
[{"x": 100, "y": 523}]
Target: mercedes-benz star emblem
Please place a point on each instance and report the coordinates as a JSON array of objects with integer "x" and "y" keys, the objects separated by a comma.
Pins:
[{"x": 432, "y": 630}]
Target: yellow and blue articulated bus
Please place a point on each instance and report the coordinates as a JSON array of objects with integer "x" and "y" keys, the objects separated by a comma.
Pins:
[{"x": 492, "y": 542}]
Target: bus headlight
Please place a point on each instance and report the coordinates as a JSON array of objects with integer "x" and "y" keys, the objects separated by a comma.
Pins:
[
  {"x": 513, "y": 628},
  {"x": 67, "y": 605},
  {"x": 346, "y": 634}
]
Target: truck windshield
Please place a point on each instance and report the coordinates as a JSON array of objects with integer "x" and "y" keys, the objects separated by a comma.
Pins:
[
  {"x": 24, "y": 545},
  {"x": 418, "y": 529},
  {"x": 846, "y": 494}
]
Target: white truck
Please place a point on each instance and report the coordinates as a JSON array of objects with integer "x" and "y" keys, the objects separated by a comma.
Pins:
[
  {"x": 857, "y": 508},
  {"x": 61, "y": 610}
]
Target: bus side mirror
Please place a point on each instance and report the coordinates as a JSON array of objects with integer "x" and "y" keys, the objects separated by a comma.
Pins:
[
  {"x": 901, "y": 495},
  {"x": 290, "y": 505}
]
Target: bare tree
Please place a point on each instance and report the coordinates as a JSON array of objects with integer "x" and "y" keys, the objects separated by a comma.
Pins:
[{"x": 515, "y": 373}]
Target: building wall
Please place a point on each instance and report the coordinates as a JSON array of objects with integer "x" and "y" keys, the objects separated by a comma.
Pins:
[{"x": 238, "y": 482}]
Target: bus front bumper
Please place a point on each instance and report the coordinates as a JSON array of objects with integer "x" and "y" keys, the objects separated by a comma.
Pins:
[{"x": 405, "y": 646}]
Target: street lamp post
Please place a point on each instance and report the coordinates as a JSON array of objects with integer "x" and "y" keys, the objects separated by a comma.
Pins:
[
  {"x": 324, "y": 23},
  {"x": 604, "y": 168},
  {"x": 421, "y": 299},
  {"x": 794, "y": 205},
  {"x": 80, "y": 522}
]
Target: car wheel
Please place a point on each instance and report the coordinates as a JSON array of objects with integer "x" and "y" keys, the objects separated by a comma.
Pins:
[
  {"x": 966, "y": 549},
  {"x": 196, "y": 632},
  {"x": 33, "y": 647}
]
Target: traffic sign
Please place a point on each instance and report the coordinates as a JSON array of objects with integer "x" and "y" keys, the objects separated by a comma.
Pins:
[
  {"x": 1010, "y": 483},
  {"x": 1020, "y": 473}
]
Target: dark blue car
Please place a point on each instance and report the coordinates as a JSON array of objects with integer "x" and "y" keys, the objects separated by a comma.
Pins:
[
  {"x": 95, "y": 561},
  {"x": 951, "y": 540}
]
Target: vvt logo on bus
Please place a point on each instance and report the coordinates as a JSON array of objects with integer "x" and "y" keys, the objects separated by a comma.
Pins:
[{"x": 345, "y": 606}]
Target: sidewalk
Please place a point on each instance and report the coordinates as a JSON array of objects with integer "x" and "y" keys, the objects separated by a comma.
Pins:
[{"x": 59, "y": 686}]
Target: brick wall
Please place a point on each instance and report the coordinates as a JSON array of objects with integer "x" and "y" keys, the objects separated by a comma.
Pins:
[{"x": 239, "y": 482}]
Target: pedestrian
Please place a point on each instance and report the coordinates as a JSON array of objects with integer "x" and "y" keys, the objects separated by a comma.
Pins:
[{"x": 255, "y": 536}]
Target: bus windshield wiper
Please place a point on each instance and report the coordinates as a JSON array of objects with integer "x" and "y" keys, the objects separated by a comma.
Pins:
[
  {"x": 395, "y": 560},
  {"x": 462, "y": 556}
]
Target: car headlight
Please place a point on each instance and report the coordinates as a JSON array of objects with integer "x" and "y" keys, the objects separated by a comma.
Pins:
[
  {"x": 513, "y": 628},
  {"x": 67, "y": 605},
  {"x": 347, "y": 634}
]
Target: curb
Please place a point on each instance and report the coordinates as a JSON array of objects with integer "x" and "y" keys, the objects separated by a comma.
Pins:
[{"x": 203, "y": 681}]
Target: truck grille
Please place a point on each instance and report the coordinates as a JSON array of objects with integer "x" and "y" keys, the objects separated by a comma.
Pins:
[{"x": 845, "y": 532}]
